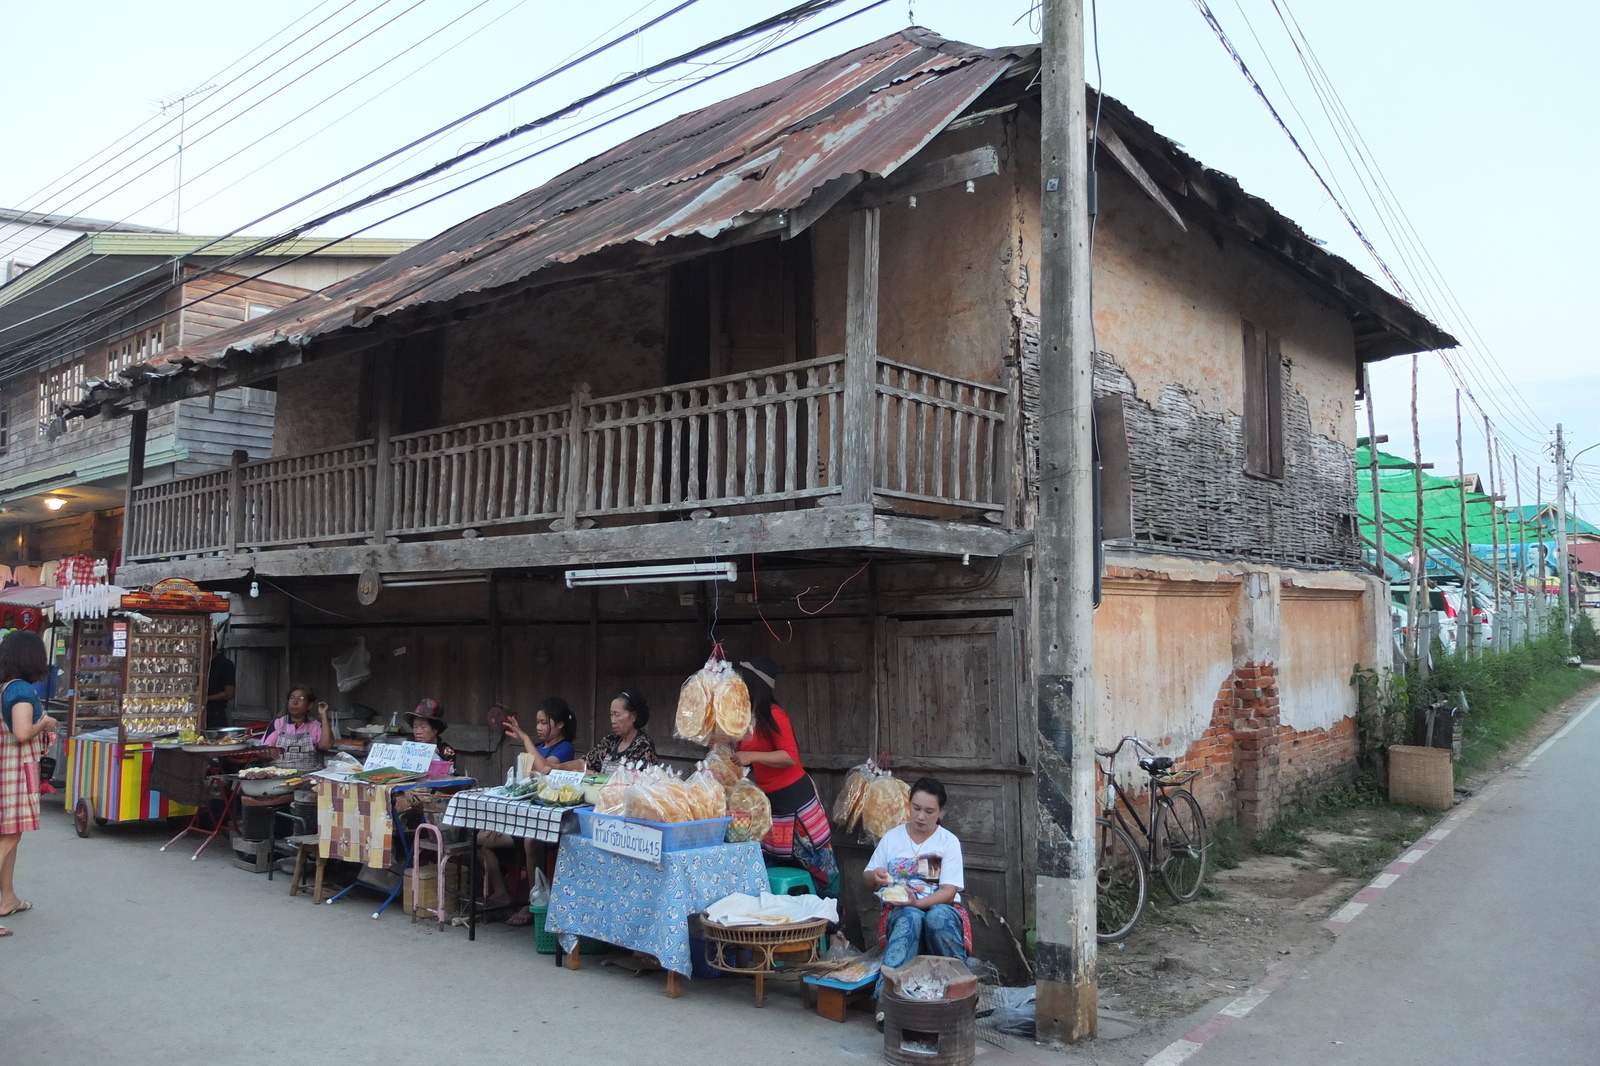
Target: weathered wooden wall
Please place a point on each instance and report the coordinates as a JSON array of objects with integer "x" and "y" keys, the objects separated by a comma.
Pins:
[{"x": 921, "y": 662}]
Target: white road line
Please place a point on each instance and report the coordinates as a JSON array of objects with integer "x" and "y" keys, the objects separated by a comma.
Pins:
[{"x": 1181, "y": 1049}]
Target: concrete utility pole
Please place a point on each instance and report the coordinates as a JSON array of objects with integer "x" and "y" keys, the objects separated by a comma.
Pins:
[
  {"x": 1066, "y": 999},
  {"x": 1563, "y": 566}
]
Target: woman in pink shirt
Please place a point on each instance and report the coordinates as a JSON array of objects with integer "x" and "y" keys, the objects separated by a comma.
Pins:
[{"x": 302, "y": 737}]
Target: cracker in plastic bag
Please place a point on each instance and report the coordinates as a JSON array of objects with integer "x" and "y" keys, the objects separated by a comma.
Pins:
[
  {"x": 732, "y": 707},
  {"x": 646, "y": 800},
  {"x": 696, "y": 713},
  {"x": 723, "y": 766},
  {"x": 847, "y": 805},
  {"x": 675, "y": 800},
  {"x": 706, "y": 797},
  {"x": 885, "y": 803},
  {"x": 613, "y": 798},
  {"x": 745, "y": 796}
]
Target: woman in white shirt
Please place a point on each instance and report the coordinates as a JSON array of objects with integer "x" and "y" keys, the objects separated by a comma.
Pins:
[{"x": 918, "y": 867}]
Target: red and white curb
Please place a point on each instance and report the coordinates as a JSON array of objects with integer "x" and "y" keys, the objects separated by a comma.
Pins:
[{"x": 1277, "y": 974}]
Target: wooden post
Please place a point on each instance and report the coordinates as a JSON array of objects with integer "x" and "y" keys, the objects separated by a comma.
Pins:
[
  {"x": 1522, "y": 549},
  {"x": 1544, "y": 561},
  {"x": 1563, "y": 564},
  {"x": 1063, "y": 632},
  {"x": 1377, "y": 493},
  {"x": 1466, "y": 545},
  {"x": 235, "y": 517},
  {"x": 1494, "y": 522},
  {"x": 861, "y": 358},
  {"x": 1414, "y": 606},
  {"x": 138, "y": 430},
  {"x": 1500, "y": 516},
  {"x": 382, "y": 469},
  {"x": 576, "y": 469}
]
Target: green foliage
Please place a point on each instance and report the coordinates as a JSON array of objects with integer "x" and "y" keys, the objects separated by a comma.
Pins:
[
  {"x": 1355, "y": 809},
  {"x": 1228, "y": 846},
  {"x": 1585, "y": 638},
  {"x": 1384, "y": 714}
]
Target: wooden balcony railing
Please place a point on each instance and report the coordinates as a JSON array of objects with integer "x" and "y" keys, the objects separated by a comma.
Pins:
[{"x": 766, "y": 438}]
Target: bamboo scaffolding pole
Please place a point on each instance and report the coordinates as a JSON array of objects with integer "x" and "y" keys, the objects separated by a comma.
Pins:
[
  {"x": 1377, "y": 493},
  {"x": 1466, "y": 545},
  {"x": 1522, "y": 549},
  {"x": 1418, "y": 565}
]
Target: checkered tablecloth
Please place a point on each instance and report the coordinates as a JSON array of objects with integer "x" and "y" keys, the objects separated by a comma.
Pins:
[{"x": 477, "y": 809}]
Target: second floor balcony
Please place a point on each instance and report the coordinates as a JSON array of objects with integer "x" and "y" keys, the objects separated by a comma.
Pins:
[{"x": 857, "y": 430}]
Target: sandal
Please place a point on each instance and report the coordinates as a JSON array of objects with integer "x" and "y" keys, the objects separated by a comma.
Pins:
[
  {"x": 521, "y": 918},
  {"x": 4, "y": 931},
  {"x": 18, "y": 909}
]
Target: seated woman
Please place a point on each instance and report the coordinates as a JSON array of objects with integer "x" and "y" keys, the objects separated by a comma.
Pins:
[
  {"x": 428, "y": 726},
  {"x": 627, "y": 741},
  {"x": 924, "y": 858},
  {"x": 554, "y": 727},
  {"x": 302, "y": 737}
]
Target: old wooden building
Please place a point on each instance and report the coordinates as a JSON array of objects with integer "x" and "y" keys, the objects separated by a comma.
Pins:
[
  {"x": 107, "y": 296},
  {"x": 797, "y": 331}
]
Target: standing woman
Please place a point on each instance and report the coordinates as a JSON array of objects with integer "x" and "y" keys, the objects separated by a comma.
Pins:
[
  {"x": 24, "y": 735},
  {"x": 800, "y": 832}
]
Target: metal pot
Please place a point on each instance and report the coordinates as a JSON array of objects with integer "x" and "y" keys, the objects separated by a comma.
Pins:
[
  {"x": 264, "y": 787},
  {"x": 233, "y": 734}
]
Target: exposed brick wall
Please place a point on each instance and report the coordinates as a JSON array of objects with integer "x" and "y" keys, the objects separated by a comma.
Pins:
[{"x": 1250, "y": 766}]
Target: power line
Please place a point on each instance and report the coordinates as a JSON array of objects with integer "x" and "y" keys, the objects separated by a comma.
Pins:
[
  {"x": 14, "y": 363},
  {"x": 262, "y": 246},
  {"x": 38, "y": 196},
  {"x": 240, "y": 95}
]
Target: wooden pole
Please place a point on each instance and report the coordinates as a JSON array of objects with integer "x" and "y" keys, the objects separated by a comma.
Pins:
[
  {"x": 1377, "y": 493},
  {"x": 1466, "y": 545},
  {"x": 1417, "y": 595},
  {"x": 1563, "y": 565},
  {"x": 1503, "y": 525},
  {"x": 860, "y": 357},
  {"x": 138, "y": 430},
  {"x": 1538, "y": 519},
  {"x": 1522, "y": 549},
  {"x": 1063, "y": 636},
  {"x": 1494, "y": 524}
]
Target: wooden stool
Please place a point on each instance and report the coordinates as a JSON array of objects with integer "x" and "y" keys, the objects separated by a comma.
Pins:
[
  {"x": 304, "y": 845},
  {"x": 833, "y": 999}
]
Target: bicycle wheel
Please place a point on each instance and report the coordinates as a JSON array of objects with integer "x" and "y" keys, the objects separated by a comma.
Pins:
[
  {"x": 1120, "y": 882},
  {"x": 1180, "y": 831}
]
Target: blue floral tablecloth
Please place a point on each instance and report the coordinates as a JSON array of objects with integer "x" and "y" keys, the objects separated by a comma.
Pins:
[{"x": 641, "y": 907}]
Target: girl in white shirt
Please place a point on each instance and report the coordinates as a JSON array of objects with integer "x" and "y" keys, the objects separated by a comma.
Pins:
[{"x": 919, "y": 863}]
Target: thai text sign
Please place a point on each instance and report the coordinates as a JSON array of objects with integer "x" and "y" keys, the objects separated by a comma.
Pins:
[{"x": 630, "y": 839}]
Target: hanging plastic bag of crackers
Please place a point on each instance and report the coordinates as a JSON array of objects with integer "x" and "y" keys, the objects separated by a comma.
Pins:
[{"x": 885, "y": 803}]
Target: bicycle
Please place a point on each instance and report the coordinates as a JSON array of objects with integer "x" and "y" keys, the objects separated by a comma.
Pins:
[{"x": 1176, "y": 842}]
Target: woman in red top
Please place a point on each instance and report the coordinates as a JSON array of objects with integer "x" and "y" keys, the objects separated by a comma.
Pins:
[{"x": 800, "y": 832}]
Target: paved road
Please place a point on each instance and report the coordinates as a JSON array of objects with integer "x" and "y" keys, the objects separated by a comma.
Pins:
[
  {"x": 132, "y": 956},
  {"x": 1484, "y": 953}
]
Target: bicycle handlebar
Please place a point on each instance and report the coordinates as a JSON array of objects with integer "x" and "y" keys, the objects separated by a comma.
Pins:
[{"x": 1137, "y": 743}]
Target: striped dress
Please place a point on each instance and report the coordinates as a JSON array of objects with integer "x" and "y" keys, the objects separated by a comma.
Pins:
[{"x": 19, "y": 767}]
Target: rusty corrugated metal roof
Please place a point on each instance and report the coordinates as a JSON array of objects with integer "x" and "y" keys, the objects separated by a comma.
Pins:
[{"x": 763, "y": 151}]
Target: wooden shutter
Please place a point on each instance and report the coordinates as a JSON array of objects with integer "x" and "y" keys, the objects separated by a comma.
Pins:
[{"x": 1263, "y": 402}]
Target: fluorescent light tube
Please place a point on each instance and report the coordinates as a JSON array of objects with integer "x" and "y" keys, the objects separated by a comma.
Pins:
[{"x": 663, "y": 574}]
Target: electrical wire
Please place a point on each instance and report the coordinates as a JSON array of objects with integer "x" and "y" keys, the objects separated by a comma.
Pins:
[
  {"x": 39, "y": 196},
  {"x": 804, "y": 10},
  {"x": 265, "y": 245},
  {"x": 232, "y": 118}
]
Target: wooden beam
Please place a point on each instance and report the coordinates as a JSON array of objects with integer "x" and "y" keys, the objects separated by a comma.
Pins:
[
  {"x": 137, "y": 432},
  {"x": 1120, "y": 153},
  {"x": 822, "y": 201},
  {"x": 813, "y": 530}
]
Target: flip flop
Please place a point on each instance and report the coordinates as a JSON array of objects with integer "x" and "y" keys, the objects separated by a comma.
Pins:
[
  {"x": 18, "y": 909},
  {"x": 4, "y": 932}
]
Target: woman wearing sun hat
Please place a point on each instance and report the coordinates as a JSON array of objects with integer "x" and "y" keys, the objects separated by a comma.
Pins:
[{"x": 428, "y": 726}]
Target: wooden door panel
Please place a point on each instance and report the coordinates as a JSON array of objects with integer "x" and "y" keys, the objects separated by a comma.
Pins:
[{"x": 951, "y": 685}]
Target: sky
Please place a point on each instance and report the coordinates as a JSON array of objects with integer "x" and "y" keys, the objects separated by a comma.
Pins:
[{"x": 1475, "y": 120}]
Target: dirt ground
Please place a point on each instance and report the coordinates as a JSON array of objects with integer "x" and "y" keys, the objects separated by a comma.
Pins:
[{"x": 1267, "y": 908}]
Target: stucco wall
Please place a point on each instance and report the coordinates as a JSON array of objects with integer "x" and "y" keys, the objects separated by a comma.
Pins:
[{"x": 1322, "y": 640}]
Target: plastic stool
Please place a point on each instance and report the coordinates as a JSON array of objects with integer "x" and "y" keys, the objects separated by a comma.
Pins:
[{"x": 790, "y": 881}]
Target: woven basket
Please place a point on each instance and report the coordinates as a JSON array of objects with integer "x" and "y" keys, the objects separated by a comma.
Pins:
[{"x": 1421, "y": 776}]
